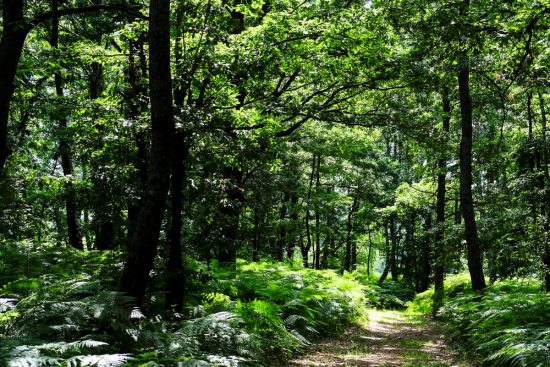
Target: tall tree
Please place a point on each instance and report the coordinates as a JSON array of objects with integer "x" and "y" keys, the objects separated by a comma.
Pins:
[
  {"x": 439, "y": 268},
  {"x": 475, "y": 257},
  {"x": 71, "y": 209},
  {"x": 143, "y": 246}
]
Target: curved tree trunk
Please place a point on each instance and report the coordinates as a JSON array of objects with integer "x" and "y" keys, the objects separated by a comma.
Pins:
[
  {"x": 11, "y": 46},
  {"x": 143, "y": 246},
  {"x": 475, "y": 260}
]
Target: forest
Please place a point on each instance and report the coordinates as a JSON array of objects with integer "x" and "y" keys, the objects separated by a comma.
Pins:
[{"x": 274, "y": 183}]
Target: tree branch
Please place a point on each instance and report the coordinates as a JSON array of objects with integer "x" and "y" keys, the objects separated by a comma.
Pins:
[{"x": 132, "y": 10}]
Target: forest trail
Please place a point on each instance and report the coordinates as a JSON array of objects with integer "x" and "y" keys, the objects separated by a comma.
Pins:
[{"x": 387, "y": 339}]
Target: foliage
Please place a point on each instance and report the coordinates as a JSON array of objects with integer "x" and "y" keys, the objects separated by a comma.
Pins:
[
  {"x": 507, "y": 325},
  {"x": 257, "y": 314}
]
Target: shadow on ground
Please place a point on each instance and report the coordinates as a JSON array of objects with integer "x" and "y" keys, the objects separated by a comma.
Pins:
[{"x": 389, "y": 338}]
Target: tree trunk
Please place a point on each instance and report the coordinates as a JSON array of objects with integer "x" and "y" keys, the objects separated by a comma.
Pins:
[
  {"x": 439, "y": 269},
  {"x": 348, "y": 260},
  {"x": 11, "y": 46},
  {"x": 388, "y": 257},
  {"x": 72, "y": 212},
  {"x": 282, "y": 238},
  {"x": 136, "y": 94},
  {"x": 393, "y": 252},
  {"x": 143, "y": 247},
  {"x": 305, "y": 250},
  {"x": 175, "y": 277},
  {"x": 369, "y": 256},
  {"x": 426, "y": 261},
  {"x": 317, "y": 215},
  {"x": 294, "y": 225},
  {"x": 475, "y": 261},
  {"x": 546, "y": 202},
  {"x": 103, "y": 215},
  {"x": 231, "y": 211},
  {"x": 255, "y": 236}
]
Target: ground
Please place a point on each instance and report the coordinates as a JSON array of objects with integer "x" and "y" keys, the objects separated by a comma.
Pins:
[{"x": 386, "y": 339}]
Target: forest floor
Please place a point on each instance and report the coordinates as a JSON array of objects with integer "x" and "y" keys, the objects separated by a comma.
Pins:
[{"x": 386, "y": 339}]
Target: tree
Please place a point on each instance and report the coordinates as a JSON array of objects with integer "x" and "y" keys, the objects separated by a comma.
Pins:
[{"x": 143, "y": 246}]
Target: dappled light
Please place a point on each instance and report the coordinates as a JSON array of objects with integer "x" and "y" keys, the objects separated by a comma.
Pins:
[{"x": 274, "y": 183}]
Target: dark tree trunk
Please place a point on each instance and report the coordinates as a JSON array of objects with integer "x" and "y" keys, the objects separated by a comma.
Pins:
[
  {"x": 11, "y": 46},
  {"x": 532, "y": 152},
  {"x": 349, "y": 257},
  {"x": 103, "y": 216},
  {"x": 72, "y": 212},
  {"x": 317, "y": 215},
  {"x": 475, "y": 259},
  {"x": 231, "y": 211},
  {"x": 305, "y": 250},
  {"x": 255, "y": 236},
  {"x": 143, "y": 247},
  {"x": 175, "y": 277},
  {"x": 388, "y": 257},
  {"x": 136, "y": 94},
  {"x": 282, "y": 239},
  {"x": 409, "y": 264},
  {"x": 294, "y": 223},
  {"x": 329, "y": 243},
  {"x": 369, "y": 256},
  {"x": 439, "y": 269},
  {"x": 426, "y": 260},
  {"x": 393, "y": 252},
  {"x": 546, "y": 201}
]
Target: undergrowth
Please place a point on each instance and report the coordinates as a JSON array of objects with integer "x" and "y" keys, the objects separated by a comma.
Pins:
[
  {"x": 60, "y": 312},
  {"x": 507, "y": 325}
]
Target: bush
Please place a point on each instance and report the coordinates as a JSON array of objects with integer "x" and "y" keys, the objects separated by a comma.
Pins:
[
  {"x": 255, "y": 315},
  {"x": 507, "y": 325}
]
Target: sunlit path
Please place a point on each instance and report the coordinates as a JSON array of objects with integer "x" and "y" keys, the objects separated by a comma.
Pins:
[{"x": 388, "y": 338}]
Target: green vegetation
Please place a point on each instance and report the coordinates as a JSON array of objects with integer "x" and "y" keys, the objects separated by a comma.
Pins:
[
  {"x": 257, "y": 314},
  {"x": 224, "y": 182},
  {"x": 507, "y": 325}
]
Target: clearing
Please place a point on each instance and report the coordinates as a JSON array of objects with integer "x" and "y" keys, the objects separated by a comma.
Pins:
[{"x": 387, "y": 339}]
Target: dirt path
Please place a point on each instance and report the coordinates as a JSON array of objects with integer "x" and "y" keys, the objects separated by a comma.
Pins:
[{"x": 387, "y": 339}]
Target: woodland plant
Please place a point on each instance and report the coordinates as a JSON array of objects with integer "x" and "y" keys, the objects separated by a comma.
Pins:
[
  {"x": 258, "y": 314},
  {"x": 507, "y": 325}
]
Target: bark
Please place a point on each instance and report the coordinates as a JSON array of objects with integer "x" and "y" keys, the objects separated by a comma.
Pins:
[
  {"x": 305, "y": 249},
  {"x": 103, "y": 216},
  {"x": 136, "y": 95},
  {"x": 475, "y": 260},
  {"x": 175, "y": 277},
  {"x": 72, "y": 212},
  {"x": 11, "y": 45},
  {"x": 14, "y": 32},
  {"x": 369, "y": 256},
  {"x": 394, "y": 248},
  {"x": 426, "y": 260},
  {"x": 546, "y": 202},
  {"x": 231, "y": 211},
  {"x": 388, "y": 256},
  {"x": 255, "y": 236},
  {"x": 349, "y": 257},
  {"x": 531, "y": 147},
  {"x": 439, "y": 269},
  {"x": 282, "y": 238},
  {"x": 329, "y": 243},
  {"x": 317, "y": 215},
  {"x": 294, "y": 223},
  {"x": 143, "y": 247}
]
